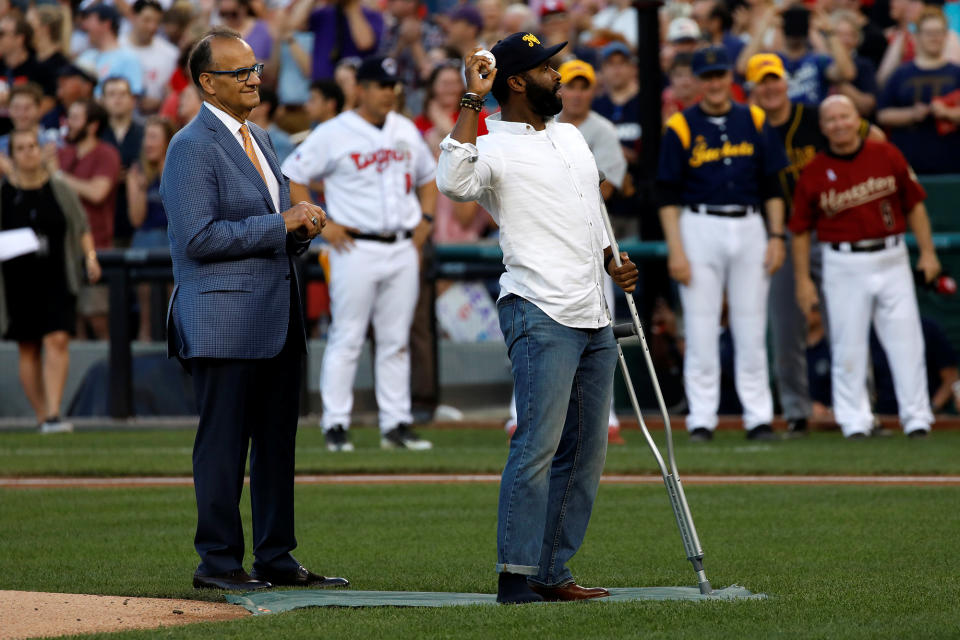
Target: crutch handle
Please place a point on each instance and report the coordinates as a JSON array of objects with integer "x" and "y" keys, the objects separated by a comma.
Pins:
[{"x": 624, "y": 330}]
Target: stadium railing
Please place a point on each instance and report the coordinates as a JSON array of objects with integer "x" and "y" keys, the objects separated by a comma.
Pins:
[{"x": 123, "y": 268}]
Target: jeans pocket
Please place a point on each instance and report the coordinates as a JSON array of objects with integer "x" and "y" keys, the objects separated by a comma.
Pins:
[{"x": 505, "y": 308}]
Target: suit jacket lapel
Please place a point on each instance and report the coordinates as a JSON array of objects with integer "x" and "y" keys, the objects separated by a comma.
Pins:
[
  {"x": 263, "y": 139},
  {"x": 230, "y": 144}
]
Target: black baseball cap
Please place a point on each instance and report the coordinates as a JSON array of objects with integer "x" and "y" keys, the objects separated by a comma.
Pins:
[
  {"x": 103, "y": 11},
  {"x": 521, "y": 52},
  {"x": 378, "y": 69},
  {"x": 72, "y": 70}
]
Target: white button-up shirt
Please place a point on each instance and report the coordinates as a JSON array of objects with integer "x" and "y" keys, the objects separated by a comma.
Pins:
[
  {"x": 542, "y": 188},
  {"x": 273, "y": 186}
]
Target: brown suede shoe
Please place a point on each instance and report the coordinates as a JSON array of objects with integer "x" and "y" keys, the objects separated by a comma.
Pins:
[{"x": 569, "y": 591}]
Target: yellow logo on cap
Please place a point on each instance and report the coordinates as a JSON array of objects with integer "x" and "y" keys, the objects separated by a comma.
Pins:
[{"x": 530, "y": 39}]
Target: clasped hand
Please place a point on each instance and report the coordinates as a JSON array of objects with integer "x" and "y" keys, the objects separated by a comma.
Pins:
[{"x": 305, "y": 220}]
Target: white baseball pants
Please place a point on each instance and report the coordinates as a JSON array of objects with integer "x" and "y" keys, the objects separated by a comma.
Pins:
[
  {"x": 725, "y": 254},
  {"x": 374, "y": 282},
  {"x": 874, "y": 286}
]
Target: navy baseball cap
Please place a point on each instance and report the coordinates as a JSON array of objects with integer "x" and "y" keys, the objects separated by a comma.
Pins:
[
  {"x": 103, "y": 11},
  {"x": 467, "y": 14},
  {"x": 378, "y": 69},
  {"x": 710, "y": 59},
  {"x": 521, "y": 52},
  {"x": 615, "y": 47}
]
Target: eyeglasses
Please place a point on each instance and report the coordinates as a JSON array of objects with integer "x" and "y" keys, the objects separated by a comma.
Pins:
[{"x": 242, "y": 74}]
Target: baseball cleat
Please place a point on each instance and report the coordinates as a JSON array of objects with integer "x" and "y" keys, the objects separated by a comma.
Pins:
[
  {"x": 337, "y": 440},
  {"x": 403, "y": 437}
]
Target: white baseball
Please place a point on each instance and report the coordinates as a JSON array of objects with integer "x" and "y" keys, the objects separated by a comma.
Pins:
[{"x": 486, "y": 55}]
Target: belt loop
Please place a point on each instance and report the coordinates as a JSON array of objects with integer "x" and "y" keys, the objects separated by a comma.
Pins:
[{"x": 702, "y": 209}]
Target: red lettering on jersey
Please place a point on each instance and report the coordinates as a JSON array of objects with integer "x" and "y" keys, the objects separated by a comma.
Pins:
[{"x": 381, "y": 158}]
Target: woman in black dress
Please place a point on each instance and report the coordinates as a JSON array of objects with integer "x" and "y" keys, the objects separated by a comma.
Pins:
[{"x": 38, "y": 290}]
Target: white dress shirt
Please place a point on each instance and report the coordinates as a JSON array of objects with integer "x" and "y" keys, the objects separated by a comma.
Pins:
[
  {"x": 542, "y": 189},
  {"x": 273, "y": 186}
]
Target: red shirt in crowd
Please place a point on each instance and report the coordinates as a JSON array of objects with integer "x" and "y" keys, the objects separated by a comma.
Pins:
[
  {"x": 865, "y": 195},
  {"x": 102, "y": 160},
  {"x": 424, "y": 124}
]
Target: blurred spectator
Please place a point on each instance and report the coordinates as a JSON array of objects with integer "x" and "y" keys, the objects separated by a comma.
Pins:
[
  {"x": 714, "y": 19},
  {"x": 579, "y": 86},
  {"x": 809, "y": 73},
  {"x": 918, "y": 105},
  {"x": 17, "y": 62},
  {"x": 901, "y": 46},
  {"x": 518, "y": 17},
  {"x": 102, "y": 23},
  {"x": 326, "y": 101},
  {"x": 863, "y": 88},
  {"x": 620, "y": 104},
  {"x": 48, "y": 29},
  {"x": 341, "y": 29},
  {"x": 242, "y": 16},
  {"x": 407, "y": 38},
  {"x": 263, "y": 116},
  {"x": 292, "y": 58},
  {"x": 453, "y": 221},
  {"x": 188, "y": 106},
  {"x": 492, "y": 13},
  {"x": 176, "y": 22},
  {"x": 556, "y": 27},
  {"x": 345, "y": 76},
  {"x": 25, "y": 101},
  {"x": 442, "y": 105},
  {"x": 125, "y": 134},
  {"x": 617, "y": 20},
  {"x": 91, "y": 167},
  {"x": 463, "y": 30},
  {"x": 942, "y": 372},
  {"x": 684, "y": 90},
  {"x": 158, "y": 58},
  {"x": 38, "y": 291},
  {"x": 179, "y": 82},
  {"x": 683, "y": 36},
  {"x": 73, "y": 84},
  {"x": 145, "y": 208}
]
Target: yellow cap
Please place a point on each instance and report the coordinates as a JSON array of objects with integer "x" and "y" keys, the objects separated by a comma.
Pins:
[
  {"x": 764, "y": 64},
  {"x": 577, "y": 69}
]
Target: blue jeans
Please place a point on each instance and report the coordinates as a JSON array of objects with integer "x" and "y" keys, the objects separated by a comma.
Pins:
[{"x": 563, "y": 379}]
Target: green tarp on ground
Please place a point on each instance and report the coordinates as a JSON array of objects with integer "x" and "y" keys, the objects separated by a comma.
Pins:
[{"x": 264, "y": 602}]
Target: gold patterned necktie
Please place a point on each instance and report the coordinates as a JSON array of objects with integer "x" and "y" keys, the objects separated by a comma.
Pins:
[{"x": 251, "y": 152}]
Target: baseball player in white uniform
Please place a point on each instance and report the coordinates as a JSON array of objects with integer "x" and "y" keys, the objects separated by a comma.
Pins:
[{"x": 378, "y": 177}]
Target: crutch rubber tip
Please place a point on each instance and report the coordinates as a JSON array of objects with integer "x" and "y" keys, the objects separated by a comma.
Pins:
[{"x": 705, "y": 588}]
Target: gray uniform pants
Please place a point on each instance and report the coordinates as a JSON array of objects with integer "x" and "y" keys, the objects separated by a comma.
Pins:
[{"x": 788, "y": 327}]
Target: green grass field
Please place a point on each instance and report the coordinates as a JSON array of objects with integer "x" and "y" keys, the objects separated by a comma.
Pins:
[
  {"x": 836, "y": 561},
  {"x": 119, "y": 453}
]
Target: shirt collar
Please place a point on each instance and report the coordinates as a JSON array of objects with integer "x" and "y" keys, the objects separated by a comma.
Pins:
[
  {"x": 496, "y": 125},
  {"x": 232, "y": 124}
]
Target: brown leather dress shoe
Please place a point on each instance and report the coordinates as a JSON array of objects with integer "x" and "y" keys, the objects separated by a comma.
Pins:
[{"x": 569, "y": 591}]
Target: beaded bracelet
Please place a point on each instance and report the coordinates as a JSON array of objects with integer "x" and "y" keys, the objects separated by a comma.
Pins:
[{"x": 471, "y": 101}]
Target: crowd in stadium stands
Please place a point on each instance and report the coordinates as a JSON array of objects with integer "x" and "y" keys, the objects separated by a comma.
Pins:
[{"x": 103, "y": 85}]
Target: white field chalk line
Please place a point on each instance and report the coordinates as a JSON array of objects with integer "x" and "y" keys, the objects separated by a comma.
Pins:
[{"x": 438, "y": 478}]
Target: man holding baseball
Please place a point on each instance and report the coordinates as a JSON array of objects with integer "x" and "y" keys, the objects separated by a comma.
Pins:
[{"x": 539, "y": 181}]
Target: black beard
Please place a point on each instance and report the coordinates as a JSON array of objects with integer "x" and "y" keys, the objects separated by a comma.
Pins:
[{"x": 544, "y": 102}]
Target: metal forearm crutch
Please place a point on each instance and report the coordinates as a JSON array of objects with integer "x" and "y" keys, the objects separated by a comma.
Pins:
[{"x": 671, "y": 478}]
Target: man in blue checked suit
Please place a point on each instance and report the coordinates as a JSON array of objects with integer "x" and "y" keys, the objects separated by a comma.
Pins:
[{"x": 235, "y": 318}]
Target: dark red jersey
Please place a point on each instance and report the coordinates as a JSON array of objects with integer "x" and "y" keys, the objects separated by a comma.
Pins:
[{"x": 867, "y": 194}]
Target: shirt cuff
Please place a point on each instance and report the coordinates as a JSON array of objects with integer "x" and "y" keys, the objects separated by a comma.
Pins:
[{"x": 454, "y": 146}]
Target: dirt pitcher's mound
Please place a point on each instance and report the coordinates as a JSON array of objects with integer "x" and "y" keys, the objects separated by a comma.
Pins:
[{"x": 27, "y": 614}]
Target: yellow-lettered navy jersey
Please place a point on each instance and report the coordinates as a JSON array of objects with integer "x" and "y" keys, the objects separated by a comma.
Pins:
[{"x": 719, "y": 160}]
